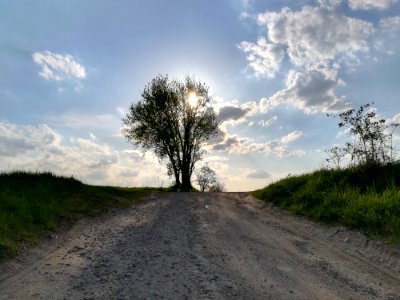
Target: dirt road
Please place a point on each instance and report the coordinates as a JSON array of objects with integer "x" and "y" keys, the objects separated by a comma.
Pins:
[{"x": 203, "y": 246}]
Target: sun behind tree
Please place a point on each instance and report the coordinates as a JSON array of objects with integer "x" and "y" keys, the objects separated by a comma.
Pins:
[
  {"x": 174, "y": 119},
  {"x": 192, "y": 99}
]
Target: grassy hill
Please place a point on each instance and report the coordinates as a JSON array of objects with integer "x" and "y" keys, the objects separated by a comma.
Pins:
[
  {"x": 33, "y": 203},
  {"x": 363, "y": 197}
]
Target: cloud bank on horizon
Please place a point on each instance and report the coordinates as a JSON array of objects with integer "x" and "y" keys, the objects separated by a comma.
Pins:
[{"x": 275, "y": 70}]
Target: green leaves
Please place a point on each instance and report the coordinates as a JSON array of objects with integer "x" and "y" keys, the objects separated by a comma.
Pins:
[
  {"x": 371, "y": 142},
  {"x": 168, "y": 121},
  {"x": 206, "y": 177}
]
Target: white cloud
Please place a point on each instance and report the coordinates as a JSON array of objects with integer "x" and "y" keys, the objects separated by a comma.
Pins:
[
  {"x": 292, "y": 136},
  {"x": 15, "y": 140},
  {"x": 258, "y": 174},
  {"x": 267, "y": 123},
  {"x": 277, "y": 147},
  {"x": 371, "y": 4},
  {"x": 40, "y": 148},
  {"x": 394, "y": 120},
  {"x": 264, "y": 57},
  {"x": 312, "y": 92},
  {"x": 394, "y": 128},
  {"x": 231, "y": 113},
  {"x": 234, "y": 180},
  {"x": 390, "y": 24},
  {"x": 57, "y": 66},
  {"x": 319, "y": 42},
  {"x": 316, "y": 36}
]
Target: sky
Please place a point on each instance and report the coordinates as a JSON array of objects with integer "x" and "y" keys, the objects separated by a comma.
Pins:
[{"x": 70, "y": 69}]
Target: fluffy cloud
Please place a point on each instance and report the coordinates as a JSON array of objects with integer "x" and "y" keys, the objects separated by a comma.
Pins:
[
  {"x": 312, "y": 91},
  {"x": 16, "y": 140},
  {"x": 231, "y": 144},
  {"x": 316, "y": 36},
  {"x": 258, "y": 174},
  {"x": 277, "y": 147},
  {"x": 292, "y": 136},
  {"x": 318, "y": 41},
  {"x": 264, "y": 58},
  {"x": 231, "y": 113},
  {"x": 41, "y": 148},
  {"x": 371, "y": 4},
  {"x": 236, "y": 112},
  {"x": 57, "y": 66},
  {"x": 390, "y": 24}
]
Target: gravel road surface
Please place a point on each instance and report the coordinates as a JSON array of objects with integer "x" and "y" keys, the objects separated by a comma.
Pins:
[{"x": 203, "y": 246}]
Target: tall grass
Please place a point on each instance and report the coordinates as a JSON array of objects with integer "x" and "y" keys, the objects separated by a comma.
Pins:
[
  {"x": 32, "y": 203},
  {"x": 363, "y": 197}
]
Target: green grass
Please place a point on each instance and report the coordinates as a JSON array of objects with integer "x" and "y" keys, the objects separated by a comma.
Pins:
[
  {"x": 363, "y": 197},
  {"x": 33, "y": 203}
]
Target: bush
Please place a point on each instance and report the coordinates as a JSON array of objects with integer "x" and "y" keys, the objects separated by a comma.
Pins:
[{"x": 218, "y": 187}]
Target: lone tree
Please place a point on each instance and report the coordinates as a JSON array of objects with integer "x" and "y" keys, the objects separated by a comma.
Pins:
[
  {"x": 206, "y": 177},
  {"x": 174, "y": 119}
]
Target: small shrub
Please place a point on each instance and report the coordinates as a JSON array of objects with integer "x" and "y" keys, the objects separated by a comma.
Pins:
[{"x": 218, "y": 187}]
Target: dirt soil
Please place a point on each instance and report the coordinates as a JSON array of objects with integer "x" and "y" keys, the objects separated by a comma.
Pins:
[{"x": 203, "y": 246}]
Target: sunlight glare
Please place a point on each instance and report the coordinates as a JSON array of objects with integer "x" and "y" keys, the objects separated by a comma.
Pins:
[{"x": 192, "y": 99}]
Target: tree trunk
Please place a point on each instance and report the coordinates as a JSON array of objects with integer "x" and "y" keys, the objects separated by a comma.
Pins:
[
  {"x": 177, "y": 179},
  {"x": 186, "y": 184},
  {"x": 176, "y": 172}
]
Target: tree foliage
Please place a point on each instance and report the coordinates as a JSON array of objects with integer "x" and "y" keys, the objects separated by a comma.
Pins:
[
  {"x": 206, "y": 178},
  {"x": 218, "y": 187},
  {"x": 371, "y": 138},
  {"x": 336, "y": 155},
  {"x": 167, "y": 121}
]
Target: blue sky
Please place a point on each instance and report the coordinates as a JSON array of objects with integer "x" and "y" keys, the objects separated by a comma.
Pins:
[{"x": 70, "y": 69}]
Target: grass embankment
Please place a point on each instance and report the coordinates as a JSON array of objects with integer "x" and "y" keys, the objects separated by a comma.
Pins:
[
  {"x": 33, "y": 203},
  {"x": 363, "y": 197}
]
